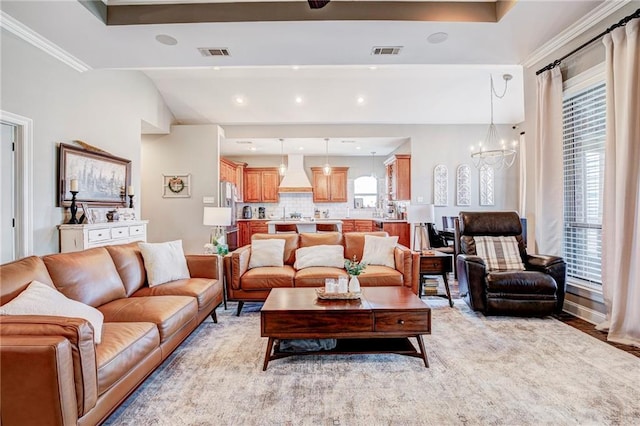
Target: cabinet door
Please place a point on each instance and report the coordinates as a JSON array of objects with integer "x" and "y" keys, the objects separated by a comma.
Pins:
[
  {"x": 364, "y": 225},
  {"x": 240, "y": 181},
  {"x": 270, "y": 183},
  {"x": 338, "y": 186},
  {"x": 400, "y": 229},
  {"x": 259, "y": 227},
  {"x": 321, "y": 192},
  {"x": 403, "y": 178},
  {"x": 244, "y": 234},
  {"x": 252, "y": 186},
  {"x": 348, "y": 226}
]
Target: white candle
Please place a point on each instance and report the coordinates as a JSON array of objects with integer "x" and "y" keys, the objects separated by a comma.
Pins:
[
  {"x": 130, "y": 190},
  {"x": 73, "y": 185}
]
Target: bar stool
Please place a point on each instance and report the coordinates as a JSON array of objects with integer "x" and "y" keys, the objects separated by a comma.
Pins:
[
  {"x": 326, "y": 227},
  {"x": 286, "y": 228}
]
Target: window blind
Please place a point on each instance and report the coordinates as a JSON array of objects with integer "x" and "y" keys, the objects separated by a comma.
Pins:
[{"x": 584, "y": 131}]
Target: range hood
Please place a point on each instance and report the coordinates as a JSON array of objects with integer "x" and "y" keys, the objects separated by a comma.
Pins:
[{"x": 295, "y": 180}]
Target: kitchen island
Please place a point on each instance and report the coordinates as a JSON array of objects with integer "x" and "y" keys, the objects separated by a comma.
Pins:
[{"x": 303, "y": 225}]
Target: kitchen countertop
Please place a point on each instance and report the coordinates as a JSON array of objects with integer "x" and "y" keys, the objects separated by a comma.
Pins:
[
  {"x": 295, "y": 222},
  {"x": 329, "y": 220}
]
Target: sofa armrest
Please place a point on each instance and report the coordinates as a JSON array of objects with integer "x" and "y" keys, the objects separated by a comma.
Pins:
[
  {"x": 471, "y": 280},
  {"x": 79, "y": 333},
  {"x": 403, "y": 258},
  {"x": 554, "y": 266},
  {"x": 203, "y": 266},
  {"x": 236, "y": 264},
  {"x": 37, "y": 381}
]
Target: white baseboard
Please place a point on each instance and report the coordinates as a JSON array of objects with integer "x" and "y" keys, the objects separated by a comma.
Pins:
[{"x": 587, "y": 314}]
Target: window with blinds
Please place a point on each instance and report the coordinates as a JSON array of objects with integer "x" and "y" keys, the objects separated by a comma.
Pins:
[{"x": 584, "y": 115}]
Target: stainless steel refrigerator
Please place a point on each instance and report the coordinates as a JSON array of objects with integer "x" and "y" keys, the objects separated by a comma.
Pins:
[{"x": 229, "y": 198}]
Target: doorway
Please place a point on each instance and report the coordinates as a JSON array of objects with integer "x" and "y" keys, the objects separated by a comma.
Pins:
[{"x": 8, "y": 244}]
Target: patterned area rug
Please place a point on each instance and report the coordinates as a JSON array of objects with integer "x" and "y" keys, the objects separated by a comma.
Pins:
[{"x": 483, "y": 370}]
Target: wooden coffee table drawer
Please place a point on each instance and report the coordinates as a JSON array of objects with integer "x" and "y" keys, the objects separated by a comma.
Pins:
[
  {"x": 432, "y": 264},
  {"x": 403, "y": 321},
  {"x": 285, "y": 323}
]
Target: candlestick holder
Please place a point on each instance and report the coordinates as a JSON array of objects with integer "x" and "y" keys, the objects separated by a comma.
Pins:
[
  {"x": 73, "y": 208},
  {"x": 131, "y": 201}
]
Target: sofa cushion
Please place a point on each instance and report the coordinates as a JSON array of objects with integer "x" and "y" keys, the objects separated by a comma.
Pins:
[
  {"x": 354, "y": 243},
  {"x": 123, "y": 347},
  {"x": 88, "y": 276},
  {"x": 499, "y": 253},
  {"x": 16, "y": 276},
  {"x": 43, "y": 299},
  {"x": 376, "y": 276},
  {"x": 168, "y": 313},
  {"x": 314, "y": 276},
  {"x": 520, "y": 282},
  {"x": 379, "y": 250},
  {"x": 205, "y": 290},
  {"x": 321, "y": 255},
  {"x": 290, "y": 244},
  {"x": 164, "y": 262},
  {"x": 130, "y": 265},
  {"x": 267, "y": 277},
  {"x": 267, "y": 253},
  {"x": 316, "y": 239}
]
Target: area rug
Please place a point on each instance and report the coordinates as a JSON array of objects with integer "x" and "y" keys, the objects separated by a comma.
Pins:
[{"x": 483, "y": 371}]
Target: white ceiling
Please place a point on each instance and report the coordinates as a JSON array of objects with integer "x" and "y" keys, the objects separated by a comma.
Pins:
[{"x": 445, "y": 83}]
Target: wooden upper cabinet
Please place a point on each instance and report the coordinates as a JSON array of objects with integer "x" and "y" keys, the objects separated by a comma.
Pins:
[
  {"x": 227, "y": 170},
  {"x": 332, "y": 188},
  {"x": 398, "y": 177},
  {"x": 261, "y": 185},
  {"x": 240, "y": 180}
]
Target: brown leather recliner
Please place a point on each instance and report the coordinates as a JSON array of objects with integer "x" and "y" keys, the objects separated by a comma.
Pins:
[{"x": 538, "y": 290}]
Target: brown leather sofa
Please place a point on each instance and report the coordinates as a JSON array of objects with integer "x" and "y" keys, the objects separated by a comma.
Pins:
[
  {"x": 253, "y": 285},
  {"x": 52, "y": 372},
  {"x": 538, "y": 290}
]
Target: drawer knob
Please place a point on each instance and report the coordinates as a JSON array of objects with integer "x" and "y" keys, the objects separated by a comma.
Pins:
[{"x": 401, "y": 322}]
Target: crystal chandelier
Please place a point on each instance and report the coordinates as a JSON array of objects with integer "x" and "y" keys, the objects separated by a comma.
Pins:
[
  {"x": 494, "y": 152},
  {"x": 326, "y": 169},
  {"x": 282, "y": 168}
]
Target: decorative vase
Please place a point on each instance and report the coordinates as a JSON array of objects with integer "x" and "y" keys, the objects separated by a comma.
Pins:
[{"x": 354, "y": 284}]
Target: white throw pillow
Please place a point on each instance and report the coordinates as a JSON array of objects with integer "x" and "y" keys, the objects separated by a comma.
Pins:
[
  {"x": 379, "y": 250},
  {"x": 499, "y": 253},
  {"x": 164, "y": 262},
  {"x": 321, "y": 255},
  {"x": 267, "y": 253},
  {"x": 41, "y": 299}
]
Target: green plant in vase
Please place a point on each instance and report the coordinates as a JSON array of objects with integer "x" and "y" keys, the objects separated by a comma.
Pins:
[{"x": 354, "y": 268}]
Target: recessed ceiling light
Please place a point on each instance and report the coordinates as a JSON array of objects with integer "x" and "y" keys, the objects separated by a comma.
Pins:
[
  {"x": 253, "y": 148},
  {"x": 298, "y": 99},
  {"x": 360, "y": 100},
  {"x": 373, "y": 68},
  {"x": 357, "y": 147},
  {"x": 436, "y": 38},
  {"x": 300, "y": 148},
  {"x": 296, "y": 67},
  {"x": 166, "y": 39},
  {"x": 239, "y": 100},
  {"x": 216, "y": 68}
]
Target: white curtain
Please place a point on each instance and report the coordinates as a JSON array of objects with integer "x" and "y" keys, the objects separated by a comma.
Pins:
[
  {"x": 549, "y": 177},
  {"x": 621, "y": 212},
  {"x": 522, "y": 204}
]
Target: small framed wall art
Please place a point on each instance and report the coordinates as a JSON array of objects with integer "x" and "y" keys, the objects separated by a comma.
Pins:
[{"x": 176, "y": 186}]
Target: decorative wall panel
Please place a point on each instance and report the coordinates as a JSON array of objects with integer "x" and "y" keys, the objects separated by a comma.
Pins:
[
  {"x": 463, "y": 185},
  {"x": 440, "y": 185},
  {"x": 487, "y": 194}
]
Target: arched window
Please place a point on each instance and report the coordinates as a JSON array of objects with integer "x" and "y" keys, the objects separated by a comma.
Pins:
[{"x": 365, "y": 191}]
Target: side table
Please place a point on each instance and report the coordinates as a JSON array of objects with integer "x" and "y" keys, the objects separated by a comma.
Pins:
[{"x": 436, "y": 264}]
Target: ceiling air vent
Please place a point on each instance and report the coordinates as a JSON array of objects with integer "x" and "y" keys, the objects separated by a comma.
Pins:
[
  {"x": 214, "y": 51},
  {"x": 386, "y": 50}
]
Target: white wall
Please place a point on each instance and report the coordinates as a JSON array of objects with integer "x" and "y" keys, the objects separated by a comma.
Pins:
[
  {"x": 102, "y": 108},
  {"x": 188, "y": 149},
  {"x": 429, "y": 145}
]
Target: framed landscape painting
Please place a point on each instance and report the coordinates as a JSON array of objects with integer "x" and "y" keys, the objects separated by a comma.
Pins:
[{"x": 101, "y": 177}]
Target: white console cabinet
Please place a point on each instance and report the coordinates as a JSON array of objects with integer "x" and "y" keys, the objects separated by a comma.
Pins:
[{"x": 81, "y": 237}]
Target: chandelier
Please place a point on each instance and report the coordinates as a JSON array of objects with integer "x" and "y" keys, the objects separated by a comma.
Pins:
[
  {"x": 326, "y": 169},
  {"x": 282, "y": 168},
  {"x": 494, "y": 152}
]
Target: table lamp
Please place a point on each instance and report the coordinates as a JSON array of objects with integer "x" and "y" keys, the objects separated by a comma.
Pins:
[
  {"x": 217, "y": 217},
  {"x": 421, "y": 215}
]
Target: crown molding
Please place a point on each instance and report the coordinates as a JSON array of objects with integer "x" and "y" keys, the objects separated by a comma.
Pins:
[
  {"x": 587, "y": 22},
  {"x": 17, "y": 28}
]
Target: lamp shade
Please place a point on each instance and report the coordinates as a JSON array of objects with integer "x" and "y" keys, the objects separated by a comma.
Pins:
[
  {"x": 217, "y": 216},
  {"x": 421, "y": 213}
]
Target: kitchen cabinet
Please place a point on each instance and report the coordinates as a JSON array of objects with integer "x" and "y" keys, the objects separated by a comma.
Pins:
[
  {"x": 246, "y": 228},
  {"x": 399, "y": 229},
  {"x": 85, "y": 236},
  {"x": 348, "y": 225},
  {"x": 398, "y": 177},
  {"x": 332, "y": 188},
  {"x": 233, "y": 172},
  {"x": 261, "y": 185},
  {"x": 363, "y": 225}
]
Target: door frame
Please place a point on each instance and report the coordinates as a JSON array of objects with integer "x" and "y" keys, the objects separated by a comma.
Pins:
[{"x": 23, "y": 181}]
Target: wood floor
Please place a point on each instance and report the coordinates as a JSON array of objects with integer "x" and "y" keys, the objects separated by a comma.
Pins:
[{"x": 566, "y": 318}]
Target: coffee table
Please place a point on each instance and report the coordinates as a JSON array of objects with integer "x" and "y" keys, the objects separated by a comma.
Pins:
[{"x": 381, "y": 321}]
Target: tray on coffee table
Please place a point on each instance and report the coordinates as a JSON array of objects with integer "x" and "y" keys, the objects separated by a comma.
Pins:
[{"x": 322, "y": 294}]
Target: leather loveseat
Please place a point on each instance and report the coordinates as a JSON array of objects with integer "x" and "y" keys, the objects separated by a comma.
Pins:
[
  {"x": 52, "y": 372},
  {"x": 253, "y": 285},
  {"x": 537, "y": 289}
]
